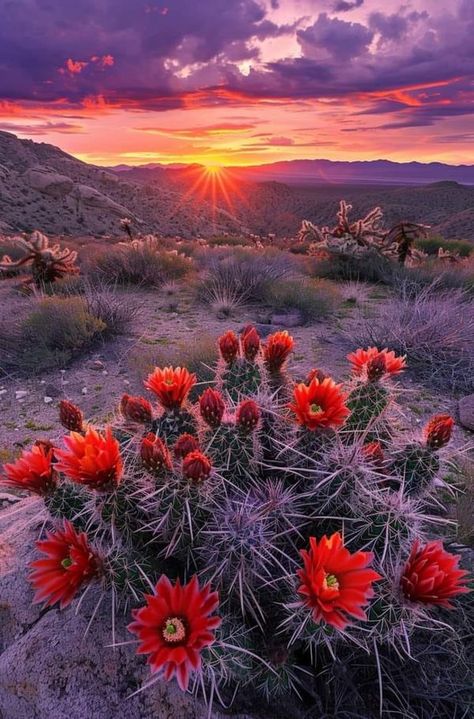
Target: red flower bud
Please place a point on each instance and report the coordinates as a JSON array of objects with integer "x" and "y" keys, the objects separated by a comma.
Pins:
[
  {"x": 248, "y": 415},
  {"x": 277, "y": 350},
  {"x": 212, "y": 407},
  {"x": 185, "y": 444},
  {"x": 136, "y": 409},
  {"x": 373, "y": 453},
  {"x": 315, "y": 373},
  {"x": 70, "y": 416},
  {"x": 229, "y": 346},
  {"x": 196, "y": 467},
  {"x": 438, "y": 431},
  {"x": 154, "y": 454},
  {"x": 250, "y": 343}
]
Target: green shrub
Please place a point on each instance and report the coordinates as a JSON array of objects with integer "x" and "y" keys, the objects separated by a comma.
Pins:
[
  {"x": 431, "y": 245},
  {"x": 314, "y": 299}
]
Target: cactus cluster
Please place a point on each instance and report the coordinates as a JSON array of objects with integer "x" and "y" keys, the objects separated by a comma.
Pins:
[
  {"x": 47, "y": 263},
  {"x": 356, "y": 239},
  {"x": 273, "y": 520}
]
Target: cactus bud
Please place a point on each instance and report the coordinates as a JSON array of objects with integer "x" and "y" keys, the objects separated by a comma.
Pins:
[
  {"x": 315, "y": 373},
  {"x": 248, "y": 415},
  {"x": 70, "y": 416},
  {"x": 250, "y": 343},
  {"x": 376, "y": 368},
  {"x": 277, "y": 350},
  {"x": 212, "y": 407},
  {"x": 185, "y": 444},
  {"x": 438, "y": 431},
  {"x": 373, "y": 453},
  {"x": 136, "y": 409},
  {"x": 229, "y": 346},
  {"x": 196, "y": 467},
  {"x": 155, "y": 454}
]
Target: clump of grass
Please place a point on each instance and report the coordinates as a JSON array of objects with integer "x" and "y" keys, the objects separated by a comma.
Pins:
[
  {"x": 432, "y": 244},
  {"x": 143, "y": 263},
  {"x": 313, "y": 299},
  {"x": 434, "y": 329}
]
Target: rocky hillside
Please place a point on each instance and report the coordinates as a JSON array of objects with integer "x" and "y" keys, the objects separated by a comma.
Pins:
[{"x": 43, "y": 187}]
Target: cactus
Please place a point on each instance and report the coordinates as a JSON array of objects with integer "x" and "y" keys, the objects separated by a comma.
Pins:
[
  {"x": 277, "y": 497},
  {"x": 47, "y": 263}
]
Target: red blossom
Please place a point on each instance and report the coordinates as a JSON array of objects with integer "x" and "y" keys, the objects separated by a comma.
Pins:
[
  {"x": 277, "y": 350},
  {"x": 229, "y": 346},
  {"x": 432, "y": 575},
  {"x": 170, "y": 385},
  {"x": 174, "y": 626},
  {"x": 335, "y": 584},
  {"x": 92, "y": 459},
  {"x": 319, "y": 404},
  {"x": 438, "y": 431},
  {"x": 68, "y": 563},
  {"x": 33, "y": 471},
  {"x": 376, "y": 361}
]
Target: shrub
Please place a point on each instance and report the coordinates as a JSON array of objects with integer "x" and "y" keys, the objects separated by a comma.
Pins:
[
  {"x": 433, "y": 243},
  {"x": 314, "y": 299},
  {"x": 315, "y": 578},
  {"x": 139, "y": 263},
  {"x": 434, "y": 329}
]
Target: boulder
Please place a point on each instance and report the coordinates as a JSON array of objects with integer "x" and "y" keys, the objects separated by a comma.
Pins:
[
  {"x": 52, "y": 664},
  {"x": 288, "y": 319},
  {"x": 48, "y": 181},
  {"x": 90, "y": 197},
  {"x": 466, "y": 412}
]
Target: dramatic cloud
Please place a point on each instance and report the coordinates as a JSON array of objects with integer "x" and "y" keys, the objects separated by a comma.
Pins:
[{"x": 343, "y": 6}]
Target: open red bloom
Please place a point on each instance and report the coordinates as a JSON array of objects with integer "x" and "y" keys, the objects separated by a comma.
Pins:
[
  {"x": 319, "y": 404},
  {"x": 154, "y": 454},
  {"x": 229, "y": 346},
  {"x": 171, "y": 386},
  {"x": 438, "y": 431},
  {"x": 376, "y": 361},
  {"x": 185, "y": 444},
  {"x": 277, "y": 350},
  {"x": 70, "y": 416},
  {"x": 33, "y": 471},
  {"x": 334, "y": 582},
  {"x": 174, "y": 627},
  {"x": 136, "y": 409},
  {"x": 196, "y": 467},
  {"x": 247, "y": 415},
  {"x": 212, "y": 407},
  {"x": 69, "y": 562},
  {"x": 250, "y": 343},
  {"x": 432, "y": 575},
  {"x": 92, "y": 459}
]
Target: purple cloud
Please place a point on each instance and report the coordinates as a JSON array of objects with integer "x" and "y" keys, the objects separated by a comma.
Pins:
[{"x": 344, "y": 6}]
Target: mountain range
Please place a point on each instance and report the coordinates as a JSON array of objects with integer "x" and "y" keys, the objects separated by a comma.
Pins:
[{"x": 45, "y": 188}]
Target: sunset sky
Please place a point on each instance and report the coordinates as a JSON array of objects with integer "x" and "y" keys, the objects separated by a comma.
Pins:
[{"x": 240, "y": 82}]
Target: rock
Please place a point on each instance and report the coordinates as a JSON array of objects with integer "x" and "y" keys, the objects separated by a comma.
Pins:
[
  {"x": 50, "y": 667},
  {"x": 90, "y": 197},
  {"x": 289, "y": 319},
  {"x": 97, "y": 365},
  {"x": 48, "y": 181},
  {"x": 21, "y": 393},
  {"x": 47, "y": 400},
  {"x": 84, "y": 390},
  {"x": 466, "y": 412}
]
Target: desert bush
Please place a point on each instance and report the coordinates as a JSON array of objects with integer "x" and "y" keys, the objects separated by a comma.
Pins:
[
  {"x": 314, "y": 299},
  {"x": 228, "y": 241},
  {"x": 241, "y": 276},
  {"x": 139, "y": 263},
  {"x": 434, "y": 329},
  {"x": 286, "y": 537},
  {"x": 371, "y": 268},
  {"x": 433, "y": 243}
]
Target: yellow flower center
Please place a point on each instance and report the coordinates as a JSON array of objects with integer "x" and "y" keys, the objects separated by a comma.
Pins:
[
  {"x": 169, "y": 382},
  {"x": 315, "y": 408},
  {"x": 66, "y": 563},
  {"x": 173, "y": 630},
  {"x": 330, "y": 582}
]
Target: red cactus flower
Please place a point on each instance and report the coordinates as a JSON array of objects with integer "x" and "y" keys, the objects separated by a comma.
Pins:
[
  {"x": 229, "y": 346},
  {"x": 248, "y": 415},
  {"x": 174, "y": 626},
  {"x": 196, "y": 467},
  {"x": 361, "y": 358},
  {"x": 185, "y": 444},
  {"x": 154, "y": 454},
  {"x": 315, "y": 373},
  {"x": 92, "y": 459},
  {"x": 376, "y": 368},
  {"x": 212, "y": 407},
  {"x": 438, "y": 431},
  {"x": 334, "y": 582},
  {"x": 432, "y": 575},
  {"x": 250, "y": 343},
  {"x": 171, "y": 386},
  {"x": 70, "y": 416},
  {"x": 33, "y": 471},
  {"x": 136, "y": 409},
  {"x": 373, "y": 453},
  {"x": 319, "y": 404},
  {"x": 277, "y": 350},
  {"x": 68, "y": 563}
]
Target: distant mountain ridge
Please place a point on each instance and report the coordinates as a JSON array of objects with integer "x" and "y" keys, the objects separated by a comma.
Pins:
[{"x": 42, "y": 187}]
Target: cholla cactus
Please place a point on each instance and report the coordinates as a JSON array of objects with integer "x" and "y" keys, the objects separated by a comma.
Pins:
[
  {"x": 356, "y": 239},
  {"x": 297, "y": 502},
  {"x": 47, "y": 263}
]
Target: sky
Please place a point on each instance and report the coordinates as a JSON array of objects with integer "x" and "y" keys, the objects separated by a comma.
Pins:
[{"x": 240, "y": 82}]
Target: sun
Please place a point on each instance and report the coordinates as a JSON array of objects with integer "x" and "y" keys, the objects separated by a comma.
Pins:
[{"x": 213, "y": 170}]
